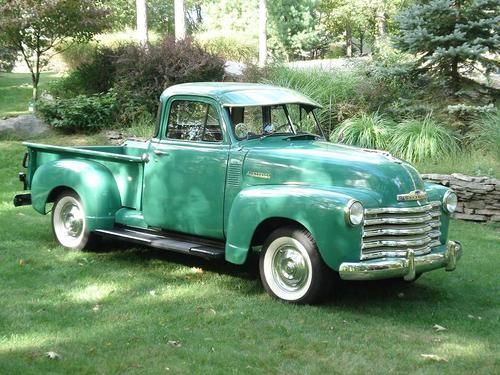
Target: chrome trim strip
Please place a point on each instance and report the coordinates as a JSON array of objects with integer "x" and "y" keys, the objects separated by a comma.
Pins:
[
  {"x": 397, "y": 243},
  {"x": 398, "y": 253},
  {"x": 394, "y": 232},
  {"x": 396, "y": 210},
  {"x": 399, "y": 220}
]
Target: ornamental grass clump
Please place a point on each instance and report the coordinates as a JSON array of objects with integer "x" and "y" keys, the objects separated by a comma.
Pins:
[
  {"x": 417, "y": 140},
  {"x": 484, "y": 134},
  {"x": 367, "y": 130}
]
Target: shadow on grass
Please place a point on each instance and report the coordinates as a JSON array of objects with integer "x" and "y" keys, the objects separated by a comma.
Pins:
[
  {"x": 134, "y": 255},
  {"x": 347, "y": 294}
]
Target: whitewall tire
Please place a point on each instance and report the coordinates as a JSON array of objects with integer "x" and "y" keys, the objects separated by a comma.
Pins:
[
  {"x": 291, "y": 267},
  {"x": 68, "y": 222}
]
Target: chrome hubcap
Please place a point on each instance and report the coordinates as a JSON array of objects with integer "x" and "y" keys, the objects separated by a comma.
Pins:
[
  {"x": 290, "y": 269},
  {"x": 72, "y": 219}
]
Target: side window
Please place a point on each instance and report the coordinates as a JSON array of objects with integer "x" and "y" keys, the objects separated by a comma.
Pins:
[{"x": 193, "y": 121}]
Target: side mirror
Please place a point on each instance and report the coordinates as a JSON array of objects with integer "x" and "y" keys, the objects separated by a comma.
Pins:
[{"x": 241, "y": 130}]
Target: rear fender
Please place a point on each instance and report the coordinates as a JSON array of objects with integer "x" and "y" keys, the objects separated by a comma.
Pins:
[
  {"x": 320, "y": 211},
  {"x": 93, "y": 182}
]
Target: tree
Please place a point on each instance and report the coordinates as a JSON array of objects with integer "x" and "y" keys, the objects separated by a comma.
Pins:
[
  {"x": 180, "y": 20},
  {"x": 35, "y": 27},
  {"x": 450, "y": 35},
  {"x": 354, "y": 19},
  {"x": 296, "y": 29}
]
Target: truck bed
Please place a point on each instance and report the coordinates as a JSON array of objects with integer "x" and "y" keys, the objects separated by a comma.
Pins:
[{"x": 125, "y": 162}]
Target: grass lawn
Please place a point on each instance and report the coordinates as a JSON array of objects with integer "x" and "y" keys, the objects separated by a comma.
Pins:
[
  {"x": 16, "y": 91},
  {"x": 135, "y": 310}
]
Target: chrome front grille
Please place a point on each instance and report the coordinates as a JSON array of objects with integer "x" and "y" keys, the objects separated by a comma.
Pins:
[{"x": 391, "y": 231}]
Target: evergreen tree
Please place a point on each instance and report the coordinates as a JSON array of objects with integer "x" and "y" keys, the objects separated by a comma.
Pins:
[{"x": 451, "y": 35}]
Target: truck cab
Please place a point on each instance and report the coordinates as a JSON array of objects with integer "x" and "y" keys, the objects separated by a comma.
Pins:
[{"x": 234, "y": 168}]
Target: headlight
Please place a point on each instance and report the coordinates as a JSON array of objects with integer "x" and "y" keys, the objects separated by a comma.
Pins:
[
  {"x": 450, "y": 201},
  {"x": 355, "y": 213}
]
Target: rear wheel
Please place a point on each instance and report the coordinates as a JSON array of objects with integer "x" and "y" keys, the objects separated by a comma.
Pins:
[
  {"x": 291, "y": 268},
  {"x": 68, "y": 222}
]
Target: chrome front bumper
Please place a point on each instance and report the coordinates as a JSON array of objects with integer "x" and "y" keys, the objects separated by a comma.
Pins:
[{"x": 386, "y": 268}]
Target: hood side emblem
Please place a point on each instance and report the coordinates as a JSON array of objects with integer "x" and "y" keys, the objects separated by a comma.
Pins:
[
  {"x": 264, "y": 175},
  {"x": 415, "y": 195}
]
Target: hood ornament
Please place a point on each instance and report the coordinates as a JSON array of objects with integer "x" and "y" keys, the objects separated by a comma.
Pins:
[
  {"x": 415, "y": 195},
  {"x": 385, "y": 154}
]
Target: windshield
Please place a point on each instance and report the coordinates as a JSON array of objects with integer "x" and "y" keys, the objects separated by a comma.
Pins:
[{"x": 283, "y": 119}]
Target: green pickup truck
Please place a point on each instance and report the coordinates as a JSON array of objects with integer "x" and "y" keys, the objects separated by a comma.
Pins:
[{"x": 236, "y": 168}]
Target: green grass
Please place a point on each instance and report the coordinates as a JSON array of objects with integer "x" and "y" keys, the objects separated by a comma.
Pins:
[
  {"x": 16, "y": 91},
  {"x": 472, "y": 162},
  {"x": 137, "y": 311}
]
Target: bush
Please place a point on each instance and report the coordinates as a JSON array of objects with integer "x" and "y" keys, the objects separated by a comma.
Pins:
[
  {"x": 81, "y": 113},
  {"x": 484, "y": 133},
  {"x": 142, "y": 74},
  {"x": 366, "y": 130},
  {"x": 93, "y": 76},
  {"x": 417, "y": 140}
]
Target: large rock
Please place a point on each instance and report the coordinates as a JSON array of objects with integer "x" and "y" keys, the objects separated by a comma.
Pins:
[{"x": 24, "y": 125}]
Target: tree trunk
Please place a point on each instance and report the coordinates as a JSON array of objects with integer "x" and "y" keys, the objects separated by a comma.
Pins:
[
  {"x": 179, "y": 20},
  {"x": 380, "y": 24},
  {"x": 348, "y": 42},
  {"x": 262, "y": 33},
  {"x": 142, "y": 22},
  {"x": 380, "y": 21},
  {"x": 455, "y": 76}
]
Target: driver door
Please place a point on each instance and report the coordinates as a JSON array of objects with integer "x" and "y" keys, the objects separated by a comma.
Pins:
[{"x": 184, "y": 181}]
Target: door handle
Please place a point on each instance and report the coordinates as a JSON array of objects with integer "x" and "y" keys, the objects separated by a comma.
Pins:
[{"x": 160, "y": 152}]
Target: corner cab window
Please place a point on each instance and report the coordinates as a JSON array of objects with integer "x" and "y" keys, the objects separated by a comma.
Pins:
[
  {"x": 193, "y": 121},
  {"x": 284, "y": 119}
]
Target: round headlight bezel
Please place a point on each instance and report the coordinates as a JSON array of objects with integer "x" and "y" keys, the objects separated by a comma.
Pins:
[
  {"x": 450, "y": 207},
  {"x": 355, "y": 213}
]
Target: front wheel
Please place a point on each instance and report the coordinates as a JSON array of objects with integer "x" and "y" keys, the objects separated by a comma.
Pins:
[
  {"x": 68, "y": 222},
  {"x": 291, "y": 268}
]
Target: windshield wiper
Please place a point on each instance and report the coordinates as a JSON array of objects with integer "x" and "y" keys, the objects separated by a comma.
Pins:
[
  {"x": 303, "y": 135},
  {"x": 272, "y": 134}
]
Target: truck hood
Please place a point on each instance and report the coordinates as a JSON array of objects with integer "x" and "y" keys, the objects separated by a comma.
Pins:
[{"x": 376, "y": 177}]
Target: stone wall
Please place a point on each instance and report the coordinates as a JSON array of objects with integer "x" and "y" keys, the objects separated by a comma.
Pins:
[{"x": 478, "y": 197}]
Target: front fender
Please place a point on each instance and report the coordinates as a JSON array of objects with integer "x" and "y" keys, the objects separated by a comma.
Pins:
[
  {"x": 92, "y": 181},
  {"x": 320, "y": 211}
]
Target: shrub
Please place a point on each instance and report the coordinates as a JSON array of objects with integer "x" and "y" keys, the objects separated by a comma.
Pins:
[
  {"x": 142, "y": 74},
  {"x": 93, "y": 76},
  {"x": 484, "y": 133},
  {"x": 366, "y": 130},
  {"x": 418, "y": 140},
  {"x": 81, "y": 113}
]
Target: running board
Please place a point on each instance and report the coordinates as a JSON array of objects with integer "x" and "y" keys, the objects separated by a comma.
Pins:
[{"x": 160, "y": 241}]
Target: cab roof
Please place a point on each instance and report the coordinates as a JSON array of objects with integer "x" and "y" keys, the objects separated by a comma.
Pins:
[{"x": 232, "y": 94}]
